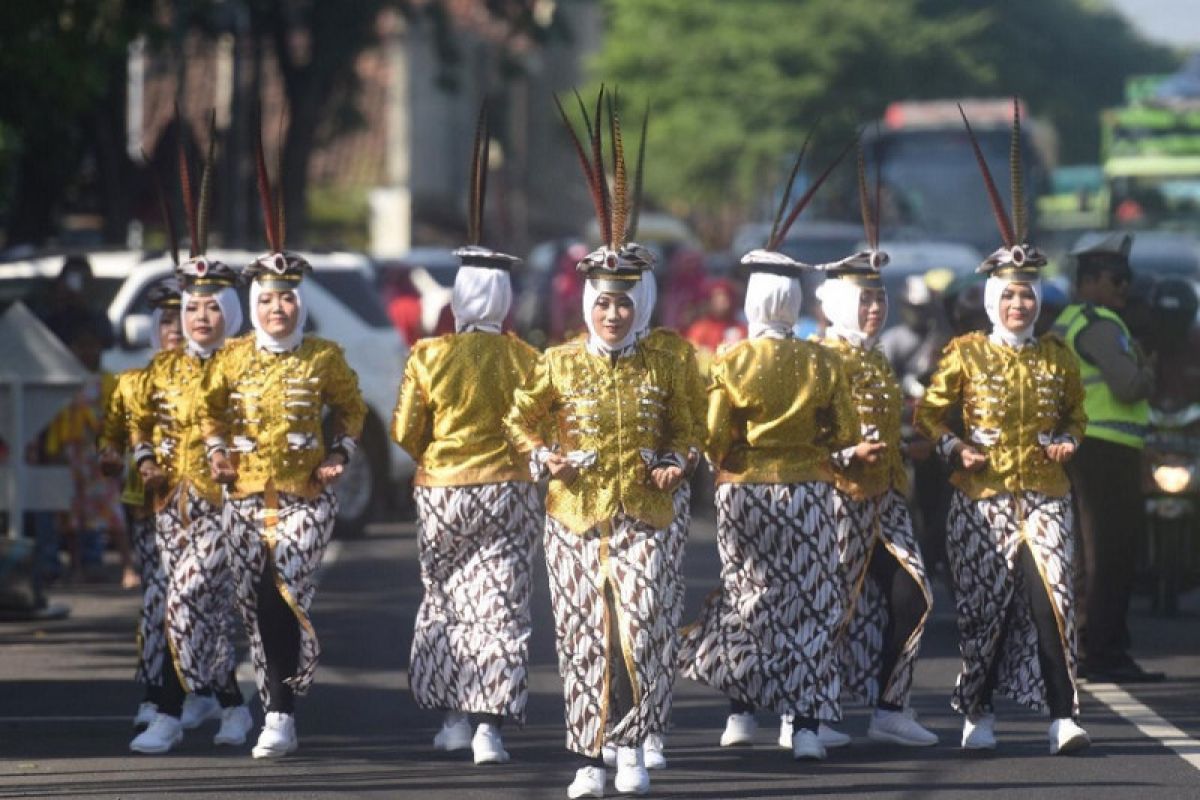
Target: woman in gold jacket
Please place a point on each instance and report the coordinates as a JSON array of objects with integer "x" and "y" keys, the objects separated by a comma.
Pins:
[
  {"x": 888, "y": 597},
  {"x": 166, "y": 333},
  {"x": 620, "y": 426},
  {"x": 779, "y": 408},
  {"x": 170, "y": 454},
  {"x": 262, "y": 420},
  {"x": 1009, "y": 528},
  {"x": 477, "y": 505}
]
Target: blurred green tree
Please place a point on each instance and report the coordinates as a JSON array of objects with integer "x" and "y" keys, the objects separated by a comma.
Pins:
[
  {"x": 734, "y": 86},
  {"x": 63, "y": 67}
]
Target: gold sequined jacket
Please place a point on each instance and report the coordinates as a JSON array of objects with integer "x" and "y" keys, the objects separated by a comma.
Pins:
[
  {"x": 879, "y": 404},
  {"x": 695, "y": 391},
  {"x": 266, "y": 408},
  {"x": 777, "y": 411},
  {"x": 164, "y": 410},
  {"x": 452, "y": 402},
  {"x": 115, "y": 432},
  {"x": 1014, "y": 402},
  {"x": 614, "y": 420}
]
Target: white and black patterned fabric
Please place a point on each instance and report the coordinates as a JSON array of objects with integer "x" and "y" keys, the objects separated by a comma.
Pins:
[
  {"x": 200, "y": 622},
  {"x": 766, "y": 637},
  {"x": 674, "y": 589},
  {"x": 470, "y": 648},
  {"x": 294, "y": 538},
  {"x": 875, "y": 528},
  {"x": 635, "y": 563},
  {"x": 994, "y": 618},
  {"x": 151, "y": 629}
]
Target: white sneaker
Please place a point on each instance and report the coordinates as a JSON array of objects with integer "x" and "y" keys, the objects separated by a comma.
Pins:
[
  {"x": 163, "y": 733},
  {"x": 899, "y": 728},
  {"x": 488, "y": 746},
  {"x": 199, "y": 709},
  {"x": 831, "y": 738},
  {"x": 652, "y": 752},
  {"x": 278, "y": 737},
  {"x": 236, "y": 723},
  {"x": 145, "y": 714},
  {"x": 806, "y": 745},
  {"x": 455, "y": 733},
  {"x": 632, "y": 777},
  {"x": 589, "y": 782},
  {"x": 1067, "y": 737},
  {"x": 739, "y": 730},
  {"x": 979, "y": 732},
  {"x": 609, "y": 754},
  {"x": 785, "y": 730}
]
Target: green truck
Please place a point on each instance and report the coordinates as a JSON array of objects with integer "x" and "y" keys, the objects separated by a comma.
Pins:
[{"x": 1150, "y": 155}]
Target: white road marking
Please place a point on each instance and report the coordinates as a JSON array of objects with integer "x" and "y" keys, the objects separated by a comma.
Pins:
[{"x": 1133, "y": 711}]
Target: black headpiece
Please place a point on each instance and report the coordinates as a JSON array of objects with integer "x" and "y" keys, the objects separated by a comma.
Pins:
[
  {"x": 863, "y": 268},
  {"x": 619, "y": 262},
  {"x": 474, "y": 254},
  {"x": 769, "y": 259},
  {"x": 278, "y": 270},
  {"x": 164, "y": 294},
  {"x": 199, "y": 274},
  {"x": 1016, "y": 258}
]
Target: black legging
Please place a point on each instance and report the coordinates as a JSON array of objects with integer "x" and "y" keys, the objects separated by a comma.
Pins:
[
  {"x": 280, "y": 632},
  {"x": 170, "y": 695},
  {"x": 1060, "y": 694},
  {"x": 906, "y": 606},
  {"x": 620, "y": 685}
]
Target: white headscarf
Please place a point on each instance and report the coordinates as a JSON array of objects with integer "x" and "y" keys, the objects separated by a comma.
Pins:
[
  {"x": 481, "y": 299},
  {"x": 991, "y": 303},
  {"x": 643, "y": 311},
  {"x": 265, "y": 340},
  {"x": 772, "y": 305},
  {"x": 840, "y": 302},
  {"x": 231, "y": 313},
  {"x": 155, "y": 322},
  {"x": 643, "y": 302}
]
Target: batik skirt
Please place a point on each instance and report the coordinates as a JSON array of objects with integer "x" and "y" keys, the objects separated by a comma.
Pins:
[
  {"x": 878, "y": 527},
  {"x": 625, "y": 572},
  {"x": 765, "y": 638},
  {"x": 995, "y": 622},
  {"x": 201, "y": 619},
  {"x": 290, "y": 533},
  {"x": 470, "y": 648}
]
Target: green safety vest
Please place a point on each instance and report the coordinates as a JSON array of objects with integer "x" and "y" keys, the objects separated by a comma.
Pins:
[{"x": 1108, "y": 418}]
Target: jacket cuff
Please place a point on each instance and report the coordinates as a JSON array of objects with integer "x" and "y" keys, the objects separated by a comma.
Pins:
[
  {"x": 345, "y": 445},
  {"x": 842, "y": 458},
  {"x": 214, "y": 445},
  {"x": 947, "y": 445},
  {"x": 143, "y": 452}
]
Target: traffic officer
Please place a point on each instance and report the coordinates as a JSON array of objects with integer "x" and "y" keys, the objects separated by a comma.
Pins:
[{"x": 1106, "y": 472}]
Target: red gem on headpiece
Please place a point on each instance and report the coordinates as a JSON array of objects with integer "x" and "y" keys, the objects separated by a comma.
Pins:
[
  {"x": 1018, "y": 255},
  {"x": 611, "y": 261},
  {"x": 279, "y": 264},
  {"x": 201, "y": 267}
]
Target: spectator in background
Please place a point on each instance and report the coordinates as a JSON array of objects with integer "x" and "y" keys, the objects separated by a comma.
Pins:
[
  {"x": 719, "y": 322},
  {"x": 684, "y": 289},
  {"x": 70, "y": 300},
  {"x": 95, "y": 512},
  {"x": 567, "y": 293},
  {"x": 403, "y": 304}
]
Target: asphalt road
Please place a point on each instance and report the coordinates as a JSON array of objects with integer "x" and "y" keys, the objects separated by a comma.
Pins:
[{"x": 67, "y": 696}]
